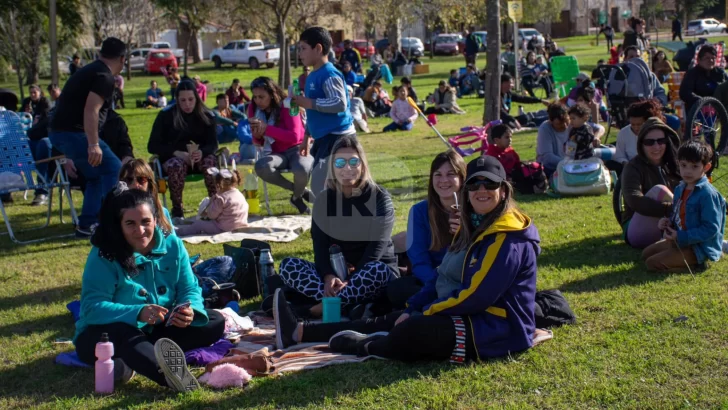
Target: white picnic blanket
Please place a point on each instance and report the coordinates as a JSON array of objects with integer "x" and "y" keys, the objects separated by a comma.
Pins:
[{"x": 284, "y": 228}]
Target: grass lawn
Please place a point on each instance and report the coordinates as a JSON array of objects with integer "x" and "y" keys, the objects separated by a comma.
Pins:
[{"x": 626, "y": 351}]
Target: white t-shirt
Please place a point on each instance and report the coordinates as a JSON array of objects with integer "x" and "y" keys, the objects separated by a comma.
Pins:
[{"x": 626, "y": 145}]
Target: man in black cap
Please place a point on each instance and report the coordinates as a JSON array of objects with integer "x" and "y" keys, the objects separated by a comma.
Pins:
[{"x": 74, "y": 130}]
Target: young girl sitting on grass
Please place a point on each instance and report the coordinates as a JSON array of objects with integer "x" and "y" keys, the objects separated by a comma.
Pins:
[
  {"x": 403, "y": 115},
  {"x": 226, "y": 211}
]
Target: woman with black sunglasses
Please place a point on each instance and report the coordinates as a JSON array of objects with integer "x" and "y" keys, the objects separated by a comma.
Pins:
[
  {"x": 648, "y": 181},
  {"x": 357, "y": 215},
  {"x": 481, "y": 303}
]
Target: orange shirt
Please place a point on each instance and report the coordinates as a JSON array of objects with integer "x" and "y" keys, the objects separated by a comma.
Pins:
[{"x": 683, "y": 200}]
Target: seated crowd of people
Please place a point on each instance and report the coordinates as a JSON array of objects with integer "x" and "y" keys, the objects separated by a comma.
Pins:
[{"x": 470, "y": 285}]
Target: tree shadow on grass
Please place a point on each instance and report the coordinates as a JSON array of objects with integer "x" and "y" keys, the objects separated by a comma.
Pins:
[
  {"x": 41, "y": 297},
  {"x": 62, "y": 324}
]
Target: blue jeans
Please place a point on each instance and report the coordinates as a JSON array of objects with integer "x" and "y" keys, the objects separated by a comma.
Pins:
[
  {"x": 226, "y": 133},
  {"x": 248, "y": 151},
  {"x": 398, "y": 127},
  {"x": 41, "y": 149},
  {"x": 99, "y": 180}
]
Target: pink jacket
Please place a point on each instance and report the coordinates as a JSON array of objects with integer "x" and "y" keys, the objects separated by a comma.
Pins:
[
  {"x": 402, "y": 111},
  {"x": 229, "y": 210},
  {"x": 202, "y": 91},
  {"x": 288, "y": 132}
]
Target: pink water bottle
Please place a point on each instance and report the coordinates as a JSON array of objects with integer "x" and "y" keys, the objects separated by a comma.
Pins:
[{"x": 104, "y": 365}]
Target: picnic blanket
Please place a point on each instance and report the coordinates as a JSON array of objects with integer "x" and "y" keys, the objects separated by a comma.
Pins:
[{"x": 284, "y": 228}]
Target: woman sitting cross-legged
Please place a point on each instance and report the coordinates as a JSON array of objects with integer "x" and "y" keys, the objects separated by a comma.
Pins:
[
  {"x": 134, "y": 278},
  {"x": 648, "y": 181},
  {"x": 137, "y": 174},
  {"x": 185, "y": 139},
  {"x": 430, "y": 227},
  {"x": 356, "y": 214},
  {"x": 280, "y": 135},
  {"x": 481, "y": 304}
]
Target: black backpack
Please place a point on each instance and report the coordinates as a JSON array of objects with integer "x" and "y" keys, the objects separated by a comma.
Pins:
[
  {"x": 529, "y": 178},
  {"x": 246, "y": 276}
]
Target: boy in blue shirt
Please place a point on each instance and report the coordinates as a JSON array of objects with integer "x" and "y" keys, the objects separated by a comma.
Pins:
[
  {"x": 325, "y": 100},
  {"x": 694, "y": 233}
]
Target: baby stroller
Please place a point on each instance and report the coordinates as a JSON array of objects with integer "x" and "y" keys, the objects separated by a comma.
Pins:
[
  {"x": 627, "y": 83},
  {"x": 374, "y": 74}
]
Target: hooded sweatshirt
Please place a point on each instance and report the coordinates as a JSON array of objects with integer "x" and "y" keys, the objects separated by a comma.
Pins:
[
  {"x": 639, "y": 175},
  {"x": 497, "y": 287}
]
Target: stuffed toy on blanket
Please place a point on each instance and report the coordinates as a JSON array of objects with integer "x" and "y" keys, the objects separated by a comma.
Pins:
[{"x": 226, "y": 375}]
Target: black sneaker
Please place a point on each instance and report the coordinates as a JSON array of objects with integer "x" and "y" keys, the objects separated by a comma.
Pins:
[
  {"x": 171, "y": 361},
  {"x": 267, "y": 305},
  {"x": 39, "y": 200},
  {"x": 351, "y": 342},
  {"x": 308, "y": 196},
  {"x": 285, "y": 320},
  {"x": 84, "y": 232},
  {"x": 301, "y": 206},
  {"x": 7, "y": 199}
]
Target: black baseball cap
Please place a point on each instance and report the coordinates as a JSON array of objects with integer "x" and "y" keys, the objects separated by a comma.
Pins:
[
  {"x": 112, "y": 47},
  {"x": 486, "y": 166}
]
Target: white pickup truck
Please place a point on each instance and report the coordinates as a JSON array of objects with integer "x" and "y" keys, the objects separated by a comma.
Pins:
[
  {"x": 251, "y": 52},
  {"x": 179, "y": 53}
]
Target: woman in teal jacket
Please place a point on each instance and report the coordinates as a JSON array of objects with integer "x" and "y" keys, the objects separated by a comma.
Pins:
[{"x": 135, "y": 276}]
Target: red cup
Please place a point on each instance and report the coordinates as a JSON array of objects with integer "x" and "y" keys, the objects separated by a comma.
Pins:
[{"x": 432, "y": 118}]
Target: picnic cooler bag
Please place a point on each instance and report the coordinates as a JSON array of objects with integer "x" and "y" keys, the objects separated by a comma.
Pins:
[
  {"x": 245, "y": 258},
  {"x": 582, "y": 177},
  {"x": 530, "y": 178}
]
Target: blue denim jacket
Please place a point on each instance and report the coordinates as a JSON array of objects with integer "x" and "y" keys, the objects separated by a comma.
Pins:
[{"x": 705, "y": 214}]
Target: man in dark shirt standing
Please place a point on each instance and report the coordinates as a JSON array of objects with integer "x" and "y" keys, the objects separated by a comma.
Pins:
[
  {"x": 74, "y": 130},
  {"x": 677, "y": 29},
  {"x": 75, "y": 64}
]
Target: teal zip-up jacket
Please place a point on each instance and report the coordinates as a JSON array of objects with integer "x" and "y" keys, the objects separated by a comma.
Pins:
[{"x": 110, "y": 295}]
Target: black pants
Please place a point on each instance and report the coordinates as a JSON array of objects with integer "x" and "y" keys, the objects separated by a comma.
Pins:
[
  {"x": 610, "y": 42},
  {"x": 417, "y": 338},
  {"x": 676, "y": 35},
  {"x": 615, "y": 166},
  {"x": 136, "y": 348},
  {"x": 401, "y": 289}
]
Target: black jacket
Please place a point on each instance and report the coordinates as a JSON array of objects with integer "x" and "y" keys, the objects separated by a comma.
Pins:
[
  {"x": 116, "y": 134},
  {"x": 360, "y": 225},
  {"x": 38, "y": 109},
  {"x": 165, "y": 139},
  {"x": 700, "y": 83}
]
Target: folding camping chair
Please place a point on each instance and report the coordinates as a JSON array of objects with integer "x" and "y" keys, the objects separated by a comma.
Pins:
[
  {"x": 564, "y": 69},
  {"x": 222, "y": 155},
  {"x": 17, "y": 167}
]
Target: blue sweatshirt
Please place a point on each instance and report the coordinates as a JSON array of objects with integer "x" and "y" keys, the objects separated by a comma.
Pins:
[
  {"x": 705, "y": 214},
  {"x": 110, "y": 295},
  {"x": 330, "y": 112},
  {"x": 419, "y": 238},
  {"x": 498, "y": 288}
]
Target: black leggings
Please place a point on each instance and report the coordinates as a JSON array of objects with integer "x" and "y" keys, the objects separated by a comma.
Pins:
[
  {"x": 135, "y": 348},
  {"x": 417, "y": 338}
]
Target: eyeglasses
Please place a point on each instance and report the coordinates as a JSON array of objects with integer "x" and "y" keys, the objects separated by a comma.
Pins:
[
  {"x": 341, "y": 162},
  {"x": 139, "y": 180},
  {"x": 651, "y": 142},
  {"x": 488, "y": 184}
]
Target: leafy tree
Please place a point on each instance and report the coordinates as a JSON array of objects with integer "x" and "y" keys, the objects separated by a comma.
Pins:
[
  {"x": 690, "y": 8},
  {"x": 191, "y": 16}
]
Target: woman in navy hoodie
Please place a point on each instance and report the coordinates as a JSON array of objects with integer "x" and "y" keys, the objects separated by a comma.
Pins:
[{"x": 481, "y": 304}]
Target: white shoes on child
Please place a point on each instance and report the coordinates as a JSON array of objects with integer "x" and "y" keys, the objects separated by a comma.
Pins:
[{"x": 725, "y": 247}]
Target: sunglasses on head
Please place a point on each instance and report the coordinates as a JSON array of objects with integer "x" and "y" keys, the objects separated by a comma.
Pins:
[
  {"x": 341, "y": 162},
  {"x": 257, "y": 84},
  {"x": 651, "y": 142},
  {"x": 139, "y": 180},
  {"x": 488, "y": 184}
]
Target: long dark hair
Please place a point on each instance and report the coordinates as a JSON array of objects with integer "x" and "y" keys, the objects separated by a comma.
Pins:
[
  {"x": 438, "y": 216},
  {"x": 108, "y": 236},
  {"x": 468, "y": 231},
  {"x": 200, "y": 110},
  {"x": 277, "y": 95},
  {"x": 138, "y": 167}
]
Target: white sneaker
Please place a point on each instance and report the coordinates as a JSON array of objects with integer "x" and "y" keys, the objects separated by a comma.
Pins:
[{"x": 725, "y": 247}]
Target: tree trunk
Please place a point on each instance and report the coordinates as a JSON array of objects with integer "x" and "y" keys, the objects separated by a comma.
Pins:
[
  {"x": 395, "y": 34},
  {"x": 492, "y": 80},
  {"x": 195, "y": 45},
  {"x": 32, "y": 76},
  {"x": 284, "y": 62}
]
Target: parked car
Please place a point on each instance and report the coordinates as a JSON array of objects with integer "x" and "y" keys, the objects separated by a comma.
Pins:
[
  {"x": 408, "y": 43},
  {"x": 364, "y": 47},
  {"x": 157, "y": 59},
  {"x": 251, "y": 52},
  {"x": 705, "y": 26},
  {"x": 527, "y": 33},
  {"x": 138, "y": 58},
  {"x": 447, "y": 44},
  {"x": 179, "y": 53}
]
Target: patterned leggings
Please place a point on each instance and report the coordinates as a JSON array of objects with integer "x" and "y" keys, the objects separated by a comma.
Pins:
[
  {"x": 177, "y": 170},
  {"x": 364, "y": 284}
]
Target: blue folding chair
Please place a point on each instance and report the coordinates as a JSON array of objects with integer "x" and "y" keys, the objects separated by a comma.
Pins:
[{"x": 17, "y": 167}]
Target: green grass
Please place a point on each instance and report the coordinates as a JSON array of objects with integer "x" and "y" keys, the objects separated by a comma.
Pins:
[{"x": 626, "y": 351}]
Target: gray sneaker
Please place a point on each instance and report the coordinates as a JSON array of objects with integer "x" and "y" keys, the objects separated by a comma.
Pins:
[
  {"x": 39, "y": 200},
  {"x": 171, "y": 361}
]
